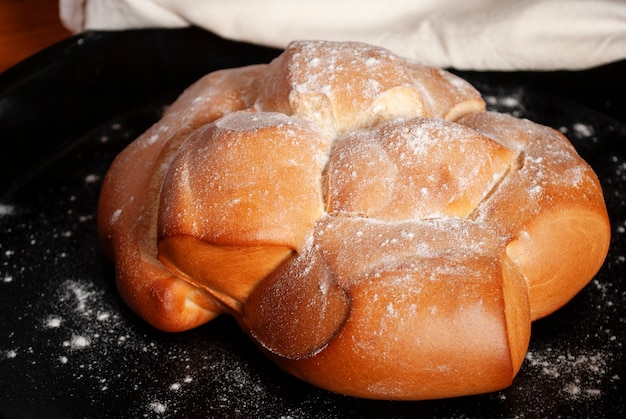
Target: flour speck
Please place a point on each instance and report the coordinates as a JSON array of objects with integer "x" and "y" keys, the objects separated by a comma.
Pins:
[
  {"x": 53, "y": 322},
  {"x": 158, "y": 407},
  {"x": 579, "y": 372},
  {"x": 77, "y": 342},
  {"x": 92, "y": 178},
  {"x": 6, "y": 210},
  {"x": 103, "y": 316},
  {"x": 583, "y": 130}
]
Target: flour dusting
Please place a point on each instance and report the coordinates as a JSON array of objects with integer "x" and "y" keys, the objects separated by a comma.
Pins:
[
  {"x": 580, "y": 374},
  {"x": 6, "y": 210}
]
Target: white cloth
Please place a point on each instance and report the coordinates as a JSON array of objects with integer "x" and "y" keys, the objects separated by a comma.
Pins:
[{"x": 472, "y": 34}]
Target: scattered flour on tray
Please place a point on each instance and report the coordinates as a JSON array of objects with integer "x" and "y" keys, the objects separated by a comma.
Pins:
[
  {"x": 53, "y": 322},
  {"x": 580, "y": 131},
  {"x": 583, "y": 130},
  {"x": 512, "y": 103},
  {"x": 621, "y": 168},
  {"x": 92, "y": 178},
  {"x": 6, "y": 210},
  {"x": 580, "y": 375},
  {"x": 85, "y": 336}
]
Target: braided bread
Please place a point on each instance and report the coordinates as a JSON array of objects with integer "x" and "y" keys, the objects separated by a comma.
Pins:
[{"x": 366, "y": 221}]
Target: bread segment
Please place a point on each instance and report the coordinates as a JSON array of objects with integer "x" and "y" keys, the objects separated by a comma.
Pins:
[
  {"x": 424, "y": 317},
  {"x": 415, "y": 169},
  {"x": 552, "y": 207},
  {"x": 129, "y": 202}
]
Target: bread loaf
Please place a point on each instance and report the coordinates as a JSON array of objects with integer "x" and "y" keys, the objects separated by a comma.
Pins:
[{"x": 366, "y": 221}]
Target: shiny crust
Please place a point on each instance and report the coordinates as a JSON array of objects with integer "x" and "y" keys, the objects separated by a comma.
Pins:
[
  {"x": 372, "y": 228},
  {"x": 128, "y": 207},
  {"x": 552, "y": 208}
]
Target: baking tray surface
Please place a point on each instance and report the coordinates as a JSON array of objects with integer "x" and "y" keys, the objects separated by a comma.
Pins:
[{"x": 69, "y": 347}]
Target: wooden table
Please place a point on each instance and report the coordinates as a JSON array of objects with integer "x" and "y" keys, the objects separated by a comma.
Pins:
[{"x": 26, "y": 27}]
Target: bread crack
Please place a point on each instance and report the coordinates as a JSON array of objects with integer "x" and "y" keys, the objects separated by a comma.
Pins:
[{"x": 518, "y": 164}]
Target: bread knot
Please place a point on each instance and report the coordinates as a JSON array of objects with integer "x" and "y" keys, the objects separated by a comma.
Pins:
[{"x": 368, "y": 223}]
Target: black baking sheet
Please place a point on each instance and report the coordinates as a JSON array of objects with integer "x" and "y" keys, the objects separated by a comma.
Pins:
[{"x": 69, "y": 347}]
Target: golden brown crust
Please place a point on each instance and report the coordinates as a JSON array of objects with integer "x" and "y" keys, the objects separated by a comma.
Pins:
[
  {"x": 445, "y": 94},
  {"x": 414, "y": 169},
  {"x": 128, "y": 206},
  {"x": 413, "y": 303},
  {"x": 552, "y": 207},
  {"x": 232, "y": 182},
  {"x": 367, "y": 223},
  {"x": 232, "y": 188},
  {"x": 342, "y": 91}
]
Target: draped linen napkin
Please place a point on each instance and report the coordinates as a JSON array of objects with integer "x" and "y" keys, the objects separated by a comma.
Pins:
[{"x": 473, "y": 34}]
